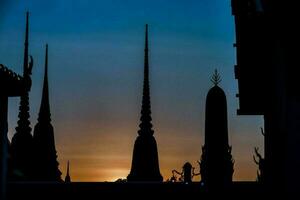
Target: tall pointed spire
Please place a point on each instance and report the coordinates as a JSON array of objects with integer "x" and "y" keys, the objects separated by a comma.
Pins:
[
  {"x": 21, "y": 146},
  {"x": 26, "y": 43},
  {"x": 146, "y": 125},
  {"x": 24, "y": 123},
  {"x": 68, "y": 178},
  {"x": 145, "y": 165},
  {"x": 43, "y": 137},
  {"x": 44, "y": 114}
]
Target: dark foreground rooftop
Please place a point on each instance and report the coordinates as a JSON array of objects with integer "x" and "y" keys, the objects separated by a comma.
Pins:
[{"x": 111, "y": 190}]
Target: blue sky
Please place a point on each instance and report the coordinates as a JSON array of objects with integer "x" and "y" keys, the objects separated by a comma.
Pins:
[{"x": 95, "y": 77}]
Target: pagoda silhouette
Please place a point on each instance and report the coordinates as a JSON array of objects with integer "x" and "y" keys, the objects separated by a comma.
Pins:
[
  {"x": 21, "y": 147},
  {"x": 11, "y": 85},
  {"x": 216, "y": 166},
  {"x": 46, "y": 167},
  {"x": 33, "y": 157},
  {"x": 145, "y": 164}
]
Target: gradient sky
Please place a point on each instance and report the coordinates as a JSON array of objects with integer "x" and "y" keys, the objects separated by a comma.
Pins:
[{"x": 96, "y": 71}]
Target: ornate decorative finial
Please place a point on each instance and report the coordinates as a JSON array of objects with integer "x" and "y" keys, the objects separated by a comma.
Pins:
[{"x": 216, "y": 78}]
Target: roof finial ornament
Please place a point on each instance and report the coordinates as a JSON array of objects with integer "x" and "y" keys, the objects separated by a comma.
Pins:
[{"x": 216, "y": 78}]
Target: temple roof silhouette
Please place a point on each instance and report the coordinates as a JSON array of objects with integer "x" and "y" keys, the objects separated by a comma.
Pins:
[{"x": 11, "y": 83}]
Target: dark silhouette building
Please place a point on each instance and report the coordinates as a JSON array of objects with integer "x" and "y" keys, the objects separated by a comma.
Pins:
[
  {"x": 145, "y": 164},
  {"x": 68, "y": 177},
  {"x": 268, "y": 83},
  {"x": 46, "y": 165},
  {"x": 22, "y": 142},
  {"x": 11, "y": 85},
  {"x": 216, "y": 166}
]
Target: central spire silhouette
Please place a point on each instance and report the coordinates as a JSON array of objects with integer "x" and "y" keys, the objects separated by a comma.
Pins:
[
  {"x": 146, "y": 125},
  {"x": 145, "y": 165}
]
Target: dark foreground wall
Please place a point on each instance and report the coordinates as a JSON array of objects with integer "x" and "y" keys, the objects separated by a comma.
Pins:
[{"x": 41, "y": 191}]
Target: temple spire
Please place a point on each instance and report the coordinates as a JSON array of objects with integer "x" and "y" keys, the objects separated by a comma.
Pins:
[
  {"x": 146, "y": 125},
  {"x": 25, "y": 64},
  {"x": 68, "y": 178},
  {"x": 216, "y": 166},
  {"x": 43, "y": 136},
  {"x": 23, "y": 122},
  {"x": 21, "y": 145},
  {"x": 44, "y": 114},
  {"x": 145, "y": 164}
]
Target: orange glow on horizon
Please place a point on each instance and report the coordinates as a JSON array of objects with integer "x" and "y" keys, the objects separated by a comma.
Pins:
[{"x": 92, "y": 162}]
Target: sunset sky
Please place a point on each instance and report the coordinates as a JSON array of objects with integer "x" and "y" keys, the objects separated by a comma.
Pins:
[{"x": 96, "y": 70}]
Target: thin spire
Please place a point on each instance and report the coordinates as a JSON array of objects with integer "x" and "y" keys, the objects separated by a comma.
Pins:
[
  {"x": 146, "y": 43},
  {"x": 68, "y": 168},
  {"x": 216, "y": 78},
  {"x": 44, "y": 136},
  {"x": 145, "y": 125},
  {"x": 44, "y": 113},
  {"x": 25, "y": 64},
  {"x": 145, "y": 164},
  {"x": 21, "y": 145},
  {"x": 68, "y": 178},
  {"x": 23, "y": 122},
  {"x": 146, "y": 62}
]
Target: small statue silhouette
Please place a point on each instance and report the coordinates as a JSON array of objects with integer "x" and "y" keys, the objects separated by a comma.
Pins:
[{"x": 186, "y": 175}]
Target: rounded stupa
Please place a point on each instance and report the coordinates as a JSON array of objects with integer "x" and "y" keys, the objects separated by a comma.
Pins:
[{"x": 216, "y": 166}]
